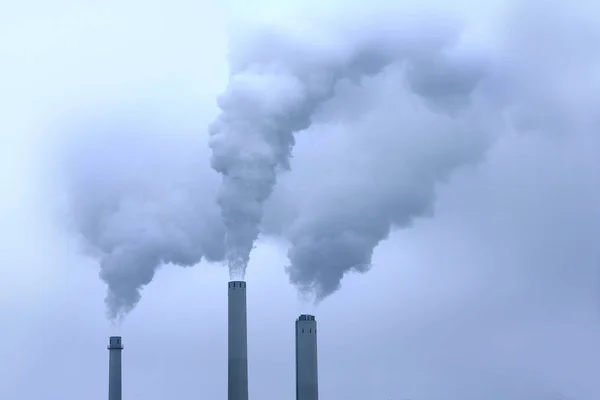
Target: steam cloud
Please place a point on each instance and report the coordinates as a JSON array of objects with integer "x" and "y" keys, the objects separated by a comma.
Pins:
[
  {"x": 277, "y": 84},
  {"x": 404, "y": 106},
  {"x": 138, "y": 196},
  {"x": 422, "y": 104}
]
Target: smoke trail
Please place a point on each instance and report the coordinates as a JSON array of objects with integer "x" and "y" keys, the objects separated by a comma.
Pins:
[
  {"x": 406, "y": 150},
  {"x": 138, "y": 198},
  {"x": 278, "y": 81},
  {"x": 406, "y": 101},
  {"x": 402, "y": 132}
]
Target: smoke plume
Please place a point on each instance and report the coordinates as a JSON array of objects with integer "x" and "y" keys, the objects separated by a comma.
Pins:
[
  {"x": 138, "y": 198},
  {"x": 414, "y": 100},
  {"x": 279, "y": 80},
  {"x": 379, "y": 112}
]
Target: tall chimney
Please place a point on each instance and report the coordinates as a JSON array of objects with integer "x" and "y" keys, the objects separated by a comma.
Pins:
[
  {"x": 115, "y": 347},
  {"x": 307, "y": 377},
  {"x": 237, "y": 381}
]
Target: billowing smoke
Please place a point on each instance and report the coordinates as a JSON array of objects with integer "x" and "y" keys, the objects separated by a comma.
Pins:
[
  {"x": 140, "y": 195},
  {"x": 278, "y": 81},
  {"x": 409, "y": 101},
  {"x": 406, "y": 151},
  {"x": 379, "y": 113}
]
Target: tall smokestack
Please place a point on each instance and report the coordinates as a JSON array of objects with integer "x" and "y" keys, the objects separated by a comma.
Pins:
[
  {"x": 115, "y": 347},
  {"x": 237, "y": 381},
  {"x": 307, "y": 377}
]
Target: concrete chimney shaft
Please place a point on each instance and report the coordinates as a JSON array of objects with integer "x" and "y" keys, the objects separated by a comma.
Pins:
[
  {"x": 237, "y": 379},
  {"x": 307, "y": 376},
  {"x": 115, "y": 347}
]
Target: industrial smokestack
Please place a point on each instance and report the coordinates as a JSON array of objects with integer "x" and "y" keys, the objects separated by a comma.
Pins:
[
  {"x": 115, "y": 346},
  {"x": 237, "y": 381},
  {"x": 307, "y": 377}
]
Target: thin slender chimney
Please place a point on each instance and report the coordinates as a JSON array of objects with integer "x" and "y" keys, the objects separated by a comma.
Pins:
[
  {"x": 115, "y": 347},
  {"x": 307, "y": 376},
  {"x": 237, "y": 381}
]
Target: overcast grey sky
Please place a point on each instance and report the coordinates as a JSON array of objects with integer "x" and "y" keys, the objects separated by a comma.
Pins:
[{"x": 486, "y": 288}]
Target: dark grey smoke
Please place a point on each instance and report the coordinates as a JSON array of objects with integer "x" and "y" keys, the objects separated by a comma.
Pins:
[
  {"x": 141, "y": 195},
  {"x": 279, "y": 81}
]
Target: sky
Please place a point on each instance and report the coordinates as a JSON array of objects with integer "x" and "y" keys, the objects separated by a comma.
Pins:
[{"x": 470, "y": 179}]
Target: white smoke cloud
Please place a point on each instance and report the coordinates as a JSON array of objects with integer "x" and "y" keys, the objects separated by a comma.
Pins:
[
  {"x": 140, "y": 195},
  {"x": 279, "y": 81},
  {"x": 384, "y": 107},
  {"x": 422, "y": 101}
]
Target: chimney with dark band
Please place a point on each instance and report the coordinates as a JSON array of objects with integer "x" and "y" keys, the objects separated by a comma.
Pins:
[
  {"x": 237, "y": 379},
  {"x": 307, "y": 377},
  {"x": 115, "y": 347}
]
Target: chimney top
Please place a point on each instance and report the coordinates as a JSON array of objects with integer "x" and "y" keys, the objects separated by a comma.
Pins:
[{"x": 115, "y": 343}]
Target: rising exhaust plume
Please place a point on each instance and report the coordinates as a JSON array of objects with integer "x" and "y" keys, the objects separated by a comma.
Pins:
[
  {"x": 378, "y": 111},
  {"x": 140, "y": 197},
  {"x": 394, "y": 147},
  {"x": 409, "y": 102},
  {"x": 280, "y": 79}
]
